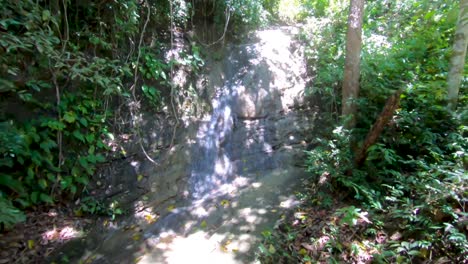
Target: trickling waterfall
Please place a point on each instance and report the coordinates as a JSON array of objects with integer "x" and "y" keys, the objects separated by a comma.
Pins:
[
  {"x": 212, "y": 167},
  {"x": 232, "y": 175}
]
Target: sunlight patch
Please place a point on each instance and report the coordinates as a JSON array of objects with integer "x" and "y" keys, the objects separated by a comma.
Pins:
[{"x": 60, "y": 235}]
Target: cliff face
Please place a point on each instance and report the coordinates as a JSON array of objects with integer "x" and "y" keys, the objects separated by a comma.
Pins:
[{"x": 229, "y": 173}]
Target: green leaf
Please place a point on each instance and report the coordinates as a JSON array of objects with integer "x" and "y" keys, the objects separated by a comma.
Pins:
[
  {"x": 42, "y": 183},
  {"x": 77, "y": 134},
  {"x": 6, "y": 162},
  {"x": 45, "y": 15},
  {"x": 84, "y": 122},
  {"x": 54, "y": 124},
  {"x": 66, "y": 182},
  {"x": 46, "y": 198},
  {"x": 10, "y": 215},
  {"x": 90, "y": 138},
  {"x": 13, "y": 184},
  {"x": 75, "y": 171},
  {"x": 92, "y": 158},
  {"x": 414, "y": 253},
  {"x": 91, "y": 150},
  {"x": 47, "y": 145},
  {"x": 34, "y": 197},
  {"x": 83, "y": 162},
  {"x": 100, "y": 158},
  {"x": 70, "y": 117},
  {"x": 83, "y": 180},
  {"x": 37, "y": 158}
]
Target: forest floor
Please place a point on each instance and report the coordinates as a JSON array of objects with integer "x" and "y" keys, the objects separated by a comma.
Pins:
[{"x": 45, "y": 230}]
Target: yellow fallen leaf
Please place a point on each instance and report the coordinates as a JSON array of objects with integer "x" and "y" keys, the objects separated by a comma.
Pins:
[
  {"x": 150, "y": 219},
  {"x": 271, "y": 249},
  {"x": 224, "y": 247},
  {"x": 30, "y": 244},
  {"x": 170, "y": 208},
  {"x": 203, "y": 224},
  {"x": 225, "y": 203},
  {"x": 303, "y": 251},
  {"x": 136, "y": 237},
  {"x": 78, "y": 213},
  {"x": 140, "y": 177}
]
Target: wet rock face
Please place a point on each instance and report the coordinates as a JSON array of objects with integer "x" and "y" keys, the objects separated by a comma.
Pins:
[
  {"x": 269, "y": 76},
  {"x": 230, "y": 173}
]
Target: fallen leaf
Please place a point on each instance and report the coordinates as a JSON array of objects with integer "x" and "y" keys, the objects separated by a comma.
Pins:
[
  {"x": 30, "y": 244},
  {"x": 136, "y": 237},
  {"x": 150, "y": 219},
  {"x": 308, "y": 246},
  {"x": 224, "y": 203},
  {"x": 203, "y": 224},
  {"x": 140, "y": 177},
  {"x": 170, "y": 208},
  {"x": 225, "y": 245}
]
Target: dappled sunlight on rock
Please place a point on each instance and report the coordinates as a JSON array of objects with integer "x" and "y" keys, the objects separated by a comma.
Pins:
[
  {"x": 289, "y": 202},
  {"x": 198, "y": 247}
]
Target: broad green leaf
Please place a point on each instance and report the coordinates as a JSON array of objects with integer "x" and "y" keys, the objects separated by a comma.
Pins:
[
  {"x": 84, "y": 122},
  {"x": 91, "y": 150},
  {"x": 43, "y": 183},
  {"x": 90, "y": 138},
  {"x": 100, "y": 158},
  {"x": 46, "y": 198},
  {"x": 83, "y": 162},
  {"x": 9, "y": 182},
  {"x": 83, "y": 180},
  {"x": 77, "y": 134},
  {"x": 34, "y": 197},
  {"x": 47, "y": 145},
  {"x": 70, "y": 117},
  {"x": 66, "y": 182},
  {"x": 45, "y": 15}
]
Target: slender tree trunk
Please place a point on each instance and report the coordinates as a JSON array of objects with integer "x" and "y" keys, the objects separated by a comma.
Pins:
[
  {"x": 352, "y": 63},
  {"x": 457, "y": 61},
  {"x": 374, "y": 133}
]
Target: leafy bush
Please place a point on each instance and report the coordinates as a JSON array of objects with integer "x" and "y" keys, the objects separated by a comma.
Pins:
[
  {"x": 9, "y": 215},
  {"x": 413, "y": 183},
  {"x": 63, "y": 70}
]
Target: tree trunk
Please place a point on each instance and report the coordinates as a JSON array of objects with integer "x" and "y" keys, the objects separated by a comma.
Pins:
[
  {"x": 457, "y": 61},
  {"x": 392, "y": 104},
  {"x": 352, "y": 63}
]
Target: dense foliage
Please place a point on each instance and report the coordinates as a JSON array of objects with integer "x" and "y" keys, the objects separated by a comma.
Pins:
[
  {"x": 66, "y": 70},
  {"x": 412, "y": 187}
]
